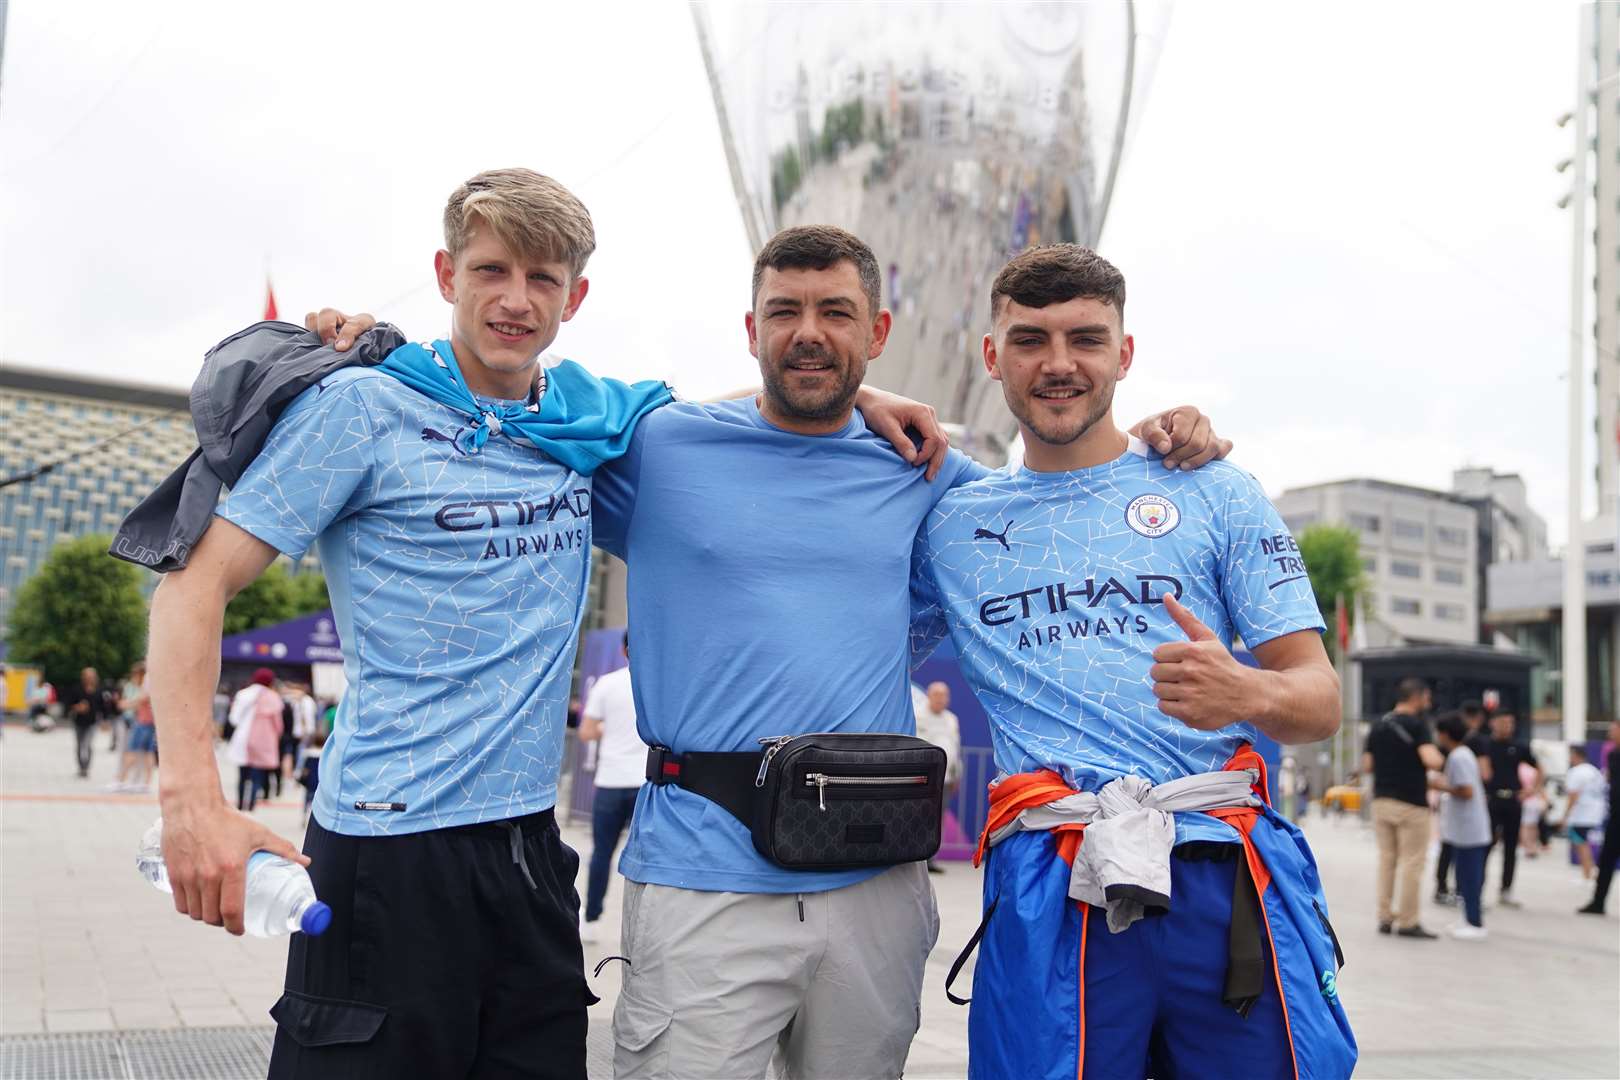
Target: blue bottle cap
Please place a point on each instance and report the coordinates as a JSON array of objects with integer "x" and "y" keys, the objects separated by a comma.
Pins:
[{"x": 316, "y": 918}]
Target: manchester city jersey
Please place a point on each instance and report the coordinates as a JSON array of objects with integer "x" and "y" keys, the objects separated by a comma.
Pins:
[
  {"x": 1049, "y": 585},
  {"x": 457, "y": 583}
]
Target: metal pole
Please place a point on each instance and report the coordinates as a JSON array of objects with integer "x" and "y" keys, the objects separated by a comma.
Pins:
[
  {"x": 1574, "y": 645},
  {"x": 1123, "y": 121},
  {"x": 745, "y": 201}
]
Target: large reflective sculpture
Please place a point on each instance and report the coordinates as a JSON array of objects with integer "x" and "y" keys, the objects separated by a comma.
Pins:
[{"x": 948, "y": 136}]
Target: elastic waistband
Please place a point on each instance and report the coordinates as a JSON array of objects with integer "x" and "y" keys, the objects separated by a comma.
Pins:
[{"x": 540, "y": 821}]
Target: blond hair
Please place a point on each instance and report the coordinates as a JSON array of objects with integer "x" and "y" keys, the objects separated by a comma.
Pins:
[{"x": 531, "y": 214}]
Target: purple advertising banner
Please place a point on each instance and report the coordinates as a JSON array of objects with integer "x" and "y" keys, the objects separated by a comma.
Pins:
[{"x": 310, "y": 639}]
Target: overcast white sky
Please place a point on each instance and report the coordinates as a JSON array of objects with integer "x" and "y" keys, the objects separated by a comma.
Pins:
[{"x": 1337, "y": 221}]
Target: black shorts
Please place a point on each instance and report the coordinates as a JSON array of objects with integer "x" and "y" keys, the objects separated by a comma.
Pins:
[{"x": 452, "y": 953}]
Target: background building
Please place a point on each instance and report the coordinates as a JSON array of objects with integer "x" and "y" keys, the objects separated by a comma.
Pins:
[
  {"x": 53, "y": 417},
  {"x": 1525, "y": 603}
]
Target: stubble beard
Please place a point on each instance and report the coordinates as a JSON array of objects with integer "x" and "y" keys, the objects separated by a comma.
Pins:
[
  {"x": 812, "y": 404},
  {"x": 1057, "y": 432}
]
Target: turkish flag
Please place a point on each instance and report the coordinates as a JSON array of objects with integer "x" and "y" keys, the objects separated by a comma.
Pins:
[
  {"x": 1343, "y": 620},
  {"x": 269, "y": 301}
]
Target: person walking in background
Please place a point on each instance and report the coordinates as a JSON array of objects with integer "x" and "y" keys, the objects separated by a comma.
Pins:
[
  {"x": 256, "y": 741},
  {"x": 1588, "y": 801},
  {"x": 621, "y": 768},
  {"x": 86, "y": 703},
  {"x": 1464, "y": 822},
  {"x": 1479, "y": 741},
  {"x": 1610, "y": 852},
  {"x": 140, "y": 745},
  {"x": 1507, "y": 796},
  {"x": 937, "y": 724},
  {"x": 1536, "y": 818},
  {"x": 1399, "y": 753}
]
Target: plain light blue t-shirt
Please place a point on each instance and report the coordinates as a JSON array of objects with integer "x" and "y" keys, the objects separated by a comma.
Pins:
[
  {"x": 457, "y": 583},
  {"x": 768, "y": 595},
  {"x": 1049, "y": 586}
]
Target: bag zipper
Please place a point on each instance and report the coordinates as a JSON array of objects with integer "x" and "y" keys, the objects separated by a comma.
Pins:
[
  {"x": 820, "y": 782},
  {"x": 771, "y": 745}
]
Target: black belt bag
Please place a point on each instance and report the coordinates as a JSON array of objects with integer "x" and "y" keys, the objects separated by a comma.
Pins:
[{"x": 831, "y": 801}]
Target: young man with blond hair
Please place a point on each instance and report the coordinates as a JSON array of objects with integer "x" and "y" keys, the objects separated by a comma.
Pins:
[
  {"x": 448, "y": 490},
  {"x": 1095, "y": 624}
]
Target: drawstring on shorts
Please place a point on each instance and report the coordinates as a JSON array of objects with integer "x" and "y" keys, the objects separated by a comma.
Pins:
[{"x": 515, "y": 834}]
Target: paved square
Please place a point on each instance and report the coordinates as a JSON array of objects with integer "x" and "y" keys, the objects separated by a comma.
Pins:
[{"x": 89, "y": 951}]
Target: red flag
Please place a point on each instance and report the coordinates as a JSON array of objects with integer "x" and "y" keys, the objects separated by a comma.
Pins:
[
  {"x": 269, "y": 301},
  {"x": 1343, "y": 620}
]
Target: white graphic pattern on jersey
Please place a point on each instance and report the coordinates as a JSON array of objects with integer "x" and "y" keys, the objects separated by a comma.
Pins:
[
  {"x": 457, "y": 583},
  {"x": 1051, "y": 597}
]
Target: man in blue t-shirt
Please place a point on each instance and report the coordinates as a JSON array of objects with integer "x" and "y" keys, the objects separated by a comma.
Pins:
[
  {"x": 1094, "y": 599},
  {"x": 452, "y": 512}
]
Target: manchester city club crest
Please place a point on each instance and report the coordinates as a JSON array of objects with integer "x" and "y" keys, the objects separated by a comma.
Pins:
[{"x": 1152, "y": 515}]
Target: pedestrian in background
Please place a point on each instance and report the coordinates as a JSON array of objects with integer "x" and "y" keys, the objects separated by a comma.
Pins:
[
  {"x": 1464, "y": 822},
  {"x": 1610, "y": 852},
  {"x": 87, "y": 703},
  {"x": 140, "y": 745},
  {"x": 1479, "y": 741},
  {"x": 256, "y": 740},
  {"x": 1399, "y": 753},
  {"x": 1588, "y": 801},
  {"x": 621, "y": 768},
  {"x": 937, "y": 724},
  {"x": 1507, "y": 795}
]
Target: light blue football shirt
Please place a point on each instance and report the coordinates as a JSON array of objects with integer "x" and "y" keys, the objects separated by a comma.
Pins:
[
  {"x": 457, "y": 583},
  {"x": 1049, "y": 586},
  {"x": 768, "y": 593}
]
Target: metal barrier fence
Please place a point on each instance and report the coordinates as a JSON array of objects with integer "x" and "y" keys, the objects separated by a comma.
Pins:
[{"x": 965, "y": 810}]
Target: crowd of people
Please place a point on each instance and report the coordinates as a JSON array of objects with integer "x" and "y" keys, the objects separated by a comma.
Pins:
[
  {"x": 273, "y": 730},
  {"x": 1468, "y": 777}
]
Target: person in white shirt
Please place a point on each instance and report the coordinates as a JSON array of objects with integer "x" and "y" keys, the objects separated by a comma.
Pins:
[
  {"x": 1465, "y": 824},
  {"x": 937, "y": 724},
  {"x": 1588, "y": 803},
  {"x": 621, "y": 769}
]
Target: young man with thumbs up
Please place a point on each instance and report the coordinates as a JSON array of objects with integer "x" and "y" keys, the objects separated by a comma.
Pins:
[{"x": 1147, "y": 913}]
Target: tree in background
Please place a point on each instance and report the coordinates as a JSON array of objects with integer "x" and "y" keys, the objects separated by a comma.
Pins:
[
  {"x": 82, "y": 608},
  {"x": 309, "y": 593},
  {"x": 269, "y": 600},
  {"x": 1332, "y": 555},
  {"x": 276, "y": 597}
]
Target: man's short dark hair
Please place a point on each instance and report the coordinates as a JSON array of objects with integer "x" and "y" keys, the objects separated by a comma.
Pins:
[
  {"x": 1576, "y": 748},
  {"x": 1452, "y": 726},
  {"x": 1471, "y": 708},
  {"x": 1409, "y": 688},
  {"x": 1055, "y": 274},
  {"x": 820, "y": 247}
]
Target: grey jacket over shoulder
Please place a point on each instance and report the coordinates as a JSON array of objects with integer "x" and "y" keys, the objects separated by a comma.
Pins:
[{"x": 246, "y": 382}]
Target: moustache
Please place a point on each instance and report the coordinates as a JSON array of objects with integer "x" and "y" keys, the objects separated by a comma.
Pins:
[{"x": 809, "y": 352}]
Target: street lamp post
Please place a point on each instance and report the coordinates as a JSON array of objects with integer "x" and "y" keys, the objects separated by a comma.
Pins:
[{"x": 1574, "y": 644}]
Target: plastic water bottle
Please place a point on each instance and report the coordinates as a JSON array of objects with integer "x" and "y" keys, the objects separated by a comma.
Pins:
[{"x": 280, "y": 897}]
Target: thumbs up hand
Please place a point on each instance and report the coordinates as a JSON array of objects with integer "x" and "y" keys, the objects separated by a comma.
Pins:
[{"x": 1198, "y": 681}]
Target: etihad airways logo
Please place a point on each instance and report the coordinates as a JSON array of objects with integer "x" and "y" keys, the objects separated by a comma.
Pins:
[
  {"x": 1062, "y": 596},
  {"x": 490, "y": 514}
]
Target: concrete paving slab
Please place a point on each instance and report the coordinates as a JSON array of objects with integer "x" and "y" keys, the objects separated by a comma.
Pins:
[{"x": 1538, "y": 999}]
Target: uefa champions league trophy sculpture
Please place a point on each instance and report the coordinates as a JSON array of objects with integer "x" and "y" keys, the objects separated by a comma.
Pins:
[{"x": 948, "y": 136}]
